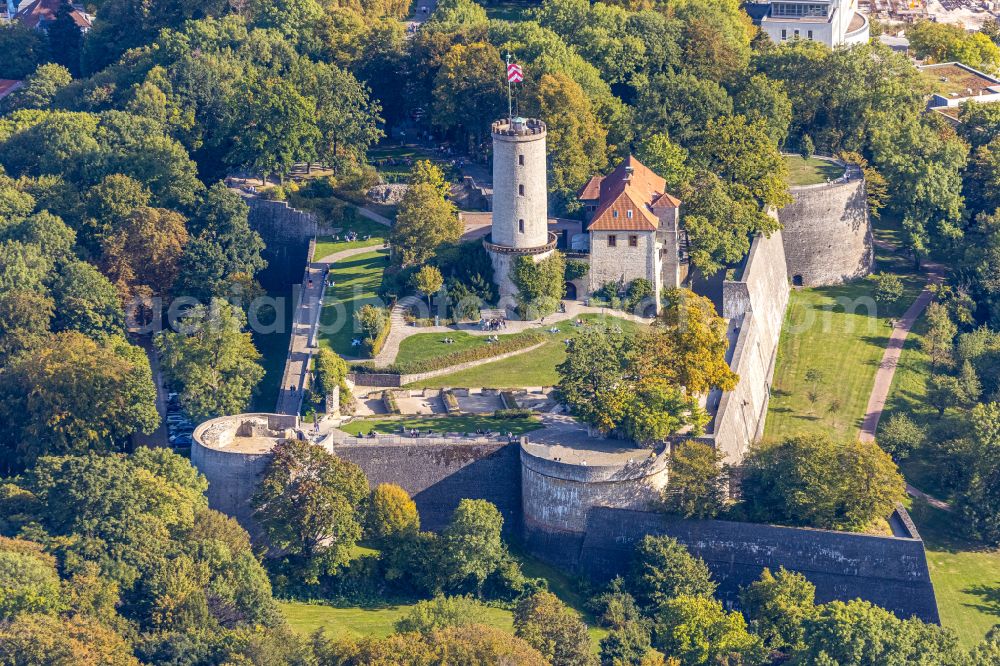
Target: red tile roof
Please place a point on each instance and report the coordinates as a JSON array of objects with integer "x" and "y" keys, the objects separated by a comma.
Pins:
[
  {"x": 7, "y": 86},
  {"x": 626, "y": 198},
  {"x": 45, "y": 10},
  {"x": 591, "y": 191}
]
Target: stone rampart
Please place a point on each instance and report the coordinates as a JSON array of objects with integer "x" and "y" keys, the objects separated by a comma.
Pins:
[
  {"x": 888, "y": 571},
  {"x": 755, "y": 305},
  {"x": 827, "y": 233},
  {"x": 439, "y": 472},
  {"x": 286, "y": 233}
]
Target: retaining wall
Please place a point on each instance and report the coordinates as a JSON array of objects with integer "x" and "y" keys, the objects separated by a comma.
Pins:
[
  {"x": 286, "y": 233},
  {"x": 439, "y": 472},
  {"x": 827, "y": 233},
  {"x": 888, "y": 571},
  {"x": 756, "y": 304}
]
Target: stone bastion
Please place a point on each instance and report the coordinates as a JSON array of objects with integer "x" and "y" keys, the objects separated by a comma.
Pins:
[
  {"x": 544, "y": 485},
  {"x": 826, "y": 231}
]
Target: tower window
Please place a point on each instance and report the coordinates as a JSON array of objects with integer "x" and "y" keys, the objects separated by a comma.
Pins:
[
  {"x": 810, "y": 34},
  {"x": 520, "y": 190},
  {"x": 520, "y": 160},
  {"x": 612, "y": 240},
  {"x": 520, "y": 226},
  {"x": 633, "y": 240}
]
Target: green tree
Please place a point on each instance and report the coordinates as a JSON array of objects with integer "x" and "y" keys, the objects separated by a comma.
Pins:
[
  {"x": 113, "y": 199},
  {"x": 626, "y": 645},
  {"x": 428, "y": 281},
  {"x": 440, "y": 612},
  {"x": 944, "y": 42},
  {"x": 276, "y": 128},
  {"x": 763, "y": 99},
  {"x": 815, "y": 481},
  {"x": 424, "y": 221},
  {"x": 576, "y": 140},
  {"x": 44, "y": 640},
  {"x": 65, "y": 38},
  {"x": 142, "y": 254},
  {"x": 30, "y": 583},
  {"x": 552, "y": 628},
  {"x": 74, "y": 394},
  {"x": 309, "y": 503},
  {"x": 900, "y": 435},
  {"x": 211, "y": 361},
  {"x": 540, "y": 284},
  {"x": 86, "y": 301},
  {"x": 667, "y": 159},
  {"x": 939, "y": 340},
  {"x": 39, "y": 88},
  {"x": 857, "y": 633},
  {"x": 24, "y": 49},
  {"x": 471, "y": 546},
  {"x": 977, "y": 497},
  {"x": 888, "y": 288},
  {"x": 696, "y": 630},
  {"x": 696, "y": 487},
  {"x": 391, "y": 514},
  {"x": 427, "y": 173},
  {"x": 468, "y": 93},
  {"x": 777, "y": 605},
  {"x": 663, "y": 569}
]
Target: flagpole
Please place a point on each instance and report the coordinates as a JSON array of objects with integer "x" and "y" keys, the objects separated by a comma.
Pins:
[{"x": 510, "y": 104}]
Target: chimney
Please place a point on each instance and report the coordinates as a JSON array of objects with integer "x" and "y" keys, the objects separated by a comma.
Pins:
[{"x": 628, "y": 174}]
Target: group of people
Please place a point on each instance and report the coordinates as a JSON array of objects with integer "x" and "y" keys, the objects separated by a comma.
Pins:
[
  {"x": 449, "y": 341},
  {"x": 492, "y": 324},
  {"x": 351, "y": 236}
]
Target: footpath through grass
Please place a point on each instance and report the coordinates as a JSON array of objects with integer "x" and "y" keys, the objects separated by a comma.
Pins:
[
  {"x": 465, "y": 423},
  {"x": 357, "y": 281},
  {"x": 534, "y": 368}
]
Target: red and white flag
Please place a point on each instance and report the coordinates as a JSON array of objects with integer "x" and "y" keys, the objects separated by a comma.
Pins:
[{"x": 514, "y": 73}]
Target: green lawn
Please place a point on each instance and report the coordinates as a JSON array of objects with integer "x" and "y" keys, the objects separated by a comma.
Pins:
[
  {"x": 811, "y": 171},
  {"x": 534, "y": 368},
  {"x": 966, "y": 576},
  {"x": 357, "y": 280},
  {"x": 391, "y": 162},
  {"x": 509, "y": 10},
  {"x": 426, "y": 346},
  {"x": 844, "y": 345},
  {"x": 273, "y": 348},
  {"x": 463, "y": 423},
  {"x": 325, "y": 245},
  {"x": 355, "y": 621}
]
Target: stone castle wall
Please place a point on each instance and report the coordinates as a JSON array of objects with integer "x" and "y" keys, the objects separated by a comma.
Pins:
[
  {"x": 286, "y": 233},
  {"x": 622, "y": 263},
  {"x": 755, "y": 303},
  {"x": 890, "y": 572},
  {"x": 827, "y": 233}
]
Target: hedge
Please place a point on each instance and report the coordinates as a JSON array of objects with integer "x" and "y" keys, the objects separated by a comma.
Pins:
[{"x": 519, "y": 413}]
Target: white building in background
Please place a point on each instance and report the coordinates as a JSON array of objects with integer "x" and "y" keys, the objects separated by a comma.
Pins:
[{"x": 831, "y": 22}]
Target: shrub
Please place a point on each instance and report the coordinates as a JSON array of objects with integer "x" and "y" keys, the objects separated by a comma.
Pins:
[
  {"x": 888, "y": 288},
  {"x": 576, "y": 269},
  {"x": 638, "y": 290},
  {"x": 506, "y": 414}
]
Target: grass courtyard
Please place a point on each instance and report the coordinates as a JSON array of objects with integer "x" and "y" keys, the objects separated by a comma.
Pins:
[
  {"x": 812, "y": 171},
  {"x": 464, "y": 423},
  {"x": 830, "y": 348},
  {"x": 534, "y": 368},
  {"x": 325, "y": 245},
  {"x": 357, "y": 281}
]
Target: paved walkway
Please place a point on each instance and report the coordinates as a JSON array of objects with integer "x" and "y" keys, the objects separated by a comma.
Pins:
[
  {"x": 890, "y": 360},
  {"x": 307, "y": 313},
  {"x": 159, "y": 436},
  {"x": 401, "y": 330}
]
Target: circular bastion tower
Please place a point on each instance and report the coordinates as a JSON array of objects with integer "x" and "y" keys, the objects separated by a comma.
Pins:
[{"x": 520, "y": 201}]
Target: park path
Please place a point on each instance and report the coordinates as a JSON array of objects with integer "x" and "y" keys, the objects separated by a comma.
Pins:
[
  {"x": 890, "y": 360},
  {"x": 307, "y": 313},
  {"x": 401, "y": 330}
]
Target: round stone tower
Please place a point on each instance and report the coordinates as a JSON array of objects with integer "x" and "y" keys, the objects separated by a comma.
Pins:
[{"x": 520, "y": 200}]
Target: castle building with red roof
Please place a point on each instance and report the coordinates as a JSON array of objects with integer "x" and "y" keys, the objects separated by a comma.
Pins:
[{"x": 634, "y": 228}]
